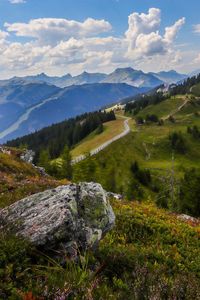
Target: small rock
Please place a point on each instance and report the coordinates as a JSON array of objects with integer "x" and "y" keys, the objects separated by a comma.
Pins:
[
  {"x": 115, "y": 196},
  {"x": 184, "y": 217}
]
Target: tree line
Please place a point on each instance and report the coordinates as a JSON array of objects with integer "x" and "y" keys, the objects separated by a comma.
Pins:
[
  {"x": 144, "y": 101},
  {"x": 67, "y": 133},
  {"x": 185, "y": 87},
  {"x": 139, "y": 103}
]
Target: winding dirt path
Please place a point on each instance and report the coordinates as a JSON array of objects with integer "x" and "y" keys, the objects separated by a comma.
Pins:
[
  {"x": 177, "y": 110},
  {"x": 106, "y": 144}
]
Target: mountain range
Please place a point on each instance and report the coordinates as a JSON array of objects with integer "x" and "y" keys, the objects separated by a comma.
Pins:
[
  {"x": 27, "y": 107},
  {"x": 29, "y": 103},
  {"x": 136, "y": 78}
]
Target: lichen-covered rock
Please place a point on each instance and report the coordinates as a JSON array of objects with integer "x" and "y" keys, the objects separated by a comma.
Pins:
[{"x": 75, "y": 214}]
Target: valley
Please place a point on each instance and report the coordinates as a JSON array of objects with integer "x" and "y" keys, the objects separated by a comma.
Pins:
[
  {"x": 99, "y": 150},
  {"x": 24, "y": 117},
  {"x": 147, "y": 157},
  {"x": 49, "y": 104}
]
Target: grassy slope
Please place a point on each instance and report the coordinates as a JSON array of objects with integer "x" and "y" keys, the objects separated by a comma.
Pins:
[
  {"x": 157, "y": 235},
  {"x": 19, "y": 179},
  {"x": 94, "y": 140},
  {"x": 117, "y": 158},
  {"x": 149, "y": 254},
  {"x": 164, "y": 108}
]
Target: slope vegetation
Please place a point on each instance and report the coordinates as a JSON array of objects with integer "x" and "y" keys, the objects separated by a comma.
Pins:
[
  {"x": 94, "y": 140},
  {"x": 19, "y": 179},
  {"x": 151, "y": 145},
  {"x": 150, "y": 254}
]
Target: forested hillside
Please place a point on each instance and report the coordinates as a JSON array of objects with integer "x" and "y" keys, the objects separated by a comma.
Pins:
[
  {"x": 153, "y": 249},
  {"x": 68, "y": 133},
  {"x": 159, "y": 159}
]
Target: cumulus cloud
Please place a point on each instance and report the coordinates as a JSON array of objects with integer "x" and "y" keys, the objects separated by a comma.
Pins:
[
  {"x": 171, "y": 32},
  {"x": 142, "y": 24},
  {"x": 150, "y": 44},
  {"x": 61, "y": 45},
  {"x": 143, "y": 34},
  {"x": 51, "y": 30}
]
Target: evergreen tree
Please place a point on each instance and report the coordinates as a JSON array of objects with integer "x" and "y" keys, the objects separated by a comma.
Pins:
[
  {"x": 99, "y": 129},
  {"x": 66, "y": 169},
  {"x": 189, "y": 200}
]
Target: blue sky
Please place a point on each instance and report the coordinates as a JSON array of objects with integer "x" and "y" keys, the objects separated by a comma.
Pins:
[{"x": 114, "y": 42}]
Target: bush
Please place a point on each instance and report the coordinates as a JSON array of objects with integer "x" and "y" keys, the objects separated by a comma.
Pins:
[
  {"x": 143, "y": 176},
  {"x": 194, "y": 131},
  {"x": 178, "y": 142},
  {"x": 152, "y": 118}
]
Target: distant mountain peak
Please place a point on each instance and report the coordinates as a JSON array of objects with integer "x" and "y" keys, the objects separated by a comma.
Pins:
[
  {"x": 127, "y": 69},
  {"x": 128, "y": 75},
  {"x": 168, "y": 72}
]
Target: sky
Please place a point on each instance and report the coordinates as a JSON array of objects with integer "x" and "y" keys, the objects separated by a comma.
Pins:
[{"x": 63, "y": 36}]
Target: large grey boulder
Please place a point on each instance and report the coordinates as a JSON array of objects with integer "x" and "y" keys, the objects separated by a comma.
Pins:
[{"x": 75, "y": 215}]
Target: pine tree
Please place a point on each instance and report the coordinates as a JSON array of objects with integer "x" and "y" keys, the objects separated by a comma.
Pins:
[{"x": 66, "y": 170}]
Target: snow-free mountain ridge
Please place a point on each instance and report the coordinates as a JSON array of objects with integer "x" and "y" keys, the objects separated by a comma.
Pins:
[
  {"x": 32, "y": 102},
  {"x": 128, "y": 75}
]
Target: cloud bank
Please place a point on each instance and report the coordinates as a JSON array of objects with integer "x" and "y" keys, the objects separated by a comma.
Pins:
[{"x": 58, "y": 46}]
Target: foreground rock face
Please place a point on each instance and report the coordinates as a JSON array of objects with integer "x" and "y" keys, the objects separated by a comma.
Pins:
[{"x": 62, "y": 217}]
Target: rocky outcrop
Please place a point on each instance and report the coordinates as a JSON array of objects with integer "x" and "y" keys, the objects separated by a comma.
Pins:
[
  {"x": 4, "y": 150},
  {"x": 67, "y": 217},
  {"x": 28, "y": 156}
]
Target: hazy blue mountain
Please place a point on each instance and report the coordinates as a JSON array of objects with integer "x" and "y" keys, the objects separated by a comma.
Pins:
[
  {"x": 65, "y": 103},
  {"x": 87, "y": 78},
  {"x": 169, "y": 76},
  {"x": 32, "y": 102},
  {"x": 18, "y": 95},
  {"x": 54, "y": 80},
  {"x": 133, "y": 77},
  {"x": 62, "y": 81},
  {"x": 121, "y": 75}
]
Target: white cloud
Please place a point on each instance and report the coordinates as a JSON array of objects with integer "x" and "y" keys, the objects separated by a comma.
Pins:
[
  {"x": 3, "y": 35},
  {"x": 51, "y": 30},
  {"x": 197, "y": 28},
  {"x": 171, "y": 32},
  {"x": 150, "y": 44},
  {"x": 59, "y": 46},
  {"x": 17, "y": 1},
  {"x": 143, "y": 34},
  {"x": 197, "y": 59},
  {"x": 142, "y": 24}
]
